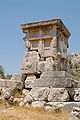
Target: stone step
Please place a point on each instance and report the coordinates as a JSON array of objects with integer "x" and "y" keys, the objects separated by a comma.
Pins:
[
  {"x": 11, "y": 83},
  {"x": 54, "y": 82}
]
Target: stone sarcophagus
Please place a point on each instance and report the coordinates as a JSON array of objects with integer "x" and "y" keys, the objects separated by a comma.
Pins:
[{"x": 47, "y": 43}]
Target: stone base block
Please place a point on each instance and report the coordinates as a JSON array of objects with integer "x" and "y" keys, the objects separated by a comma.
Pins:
[
  {"x": 11, "y": 83},
  {"x": 64, "y": 106},
  {"x": 77, "y": 95},
  {"x": 53, "y": 82},
  {"x": 47, "y": 94},
  {"x": 56, "y": 79},
  {"x": 29, "y": 81}
]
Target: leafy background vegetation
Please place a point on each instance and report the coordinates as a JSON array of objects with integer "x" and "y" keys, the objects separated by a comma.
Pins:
[{"x": 2, "y": 73}]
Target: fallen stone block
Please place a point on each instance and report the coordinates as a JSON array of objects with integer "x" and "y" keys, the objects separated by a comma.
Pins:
[
  {"x": 11, "y": 83},
  {"x": 38, "y": 104}
]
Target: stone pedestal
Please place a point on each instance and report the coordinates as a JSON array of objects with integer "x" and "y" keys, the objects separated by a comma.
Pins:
[
  {"x": 53, "y": 86},
  {"x": 45, "y": 64},
  {"x": 47, "y": 43}
]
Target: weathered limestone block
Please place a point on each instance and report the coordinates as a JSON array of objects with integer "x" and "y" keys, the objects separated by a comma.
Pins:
[
  {"x": 47, "y": 94},
  {"x": 58, "y": 62},
  {"x": 28, "y": 99},
  {"x": 28, "y": 44},
  {"x": 41, "y": 66},
  {"x": 49, "y": 65},
  {"x": 54, "y": 82},
  {"x": 31, "y": 55},
  {"x": 54, "y": 74},
  {"x": 64, "y": 106},
  {"x": 77, "y": 94},
  {"x": 11, "y": 83},
  {"x": 41, "y": 48},
  {"x": 58, "y": 56},
  {"x": 48, "y": 107},
  {"x": 53, "y": 51},
  {"x": 75, "y": 114},
  {"x": 29, "y": 81},
  {"x": 30, "y": 62},
  {"x": 55, "y": 79},
  {"x": 29, "y": 67},
  {"x": 25, "y": 92},
  {"x": 47, "y": 53},
  {"x": 16, "y": 77},
  {"x": 38, "y": 104},
  {"x": 38, "y": 94},
  {"x": 54, "y": 41},
  {"x": 58, "y": 94},
  {"x": 8, "y": 92}
]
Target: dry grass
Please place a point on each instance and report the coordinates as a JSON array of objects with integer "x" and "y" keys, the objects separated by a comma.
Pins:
[{"x": 28, "y": 113}]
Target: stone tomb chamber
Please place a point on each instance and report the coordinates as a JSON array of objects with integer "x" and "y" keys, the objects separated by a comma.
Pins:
[
  {"x": 47, "y": 43},
  {"x": 44, "y": 79},
  {"x": 44, "y": 67}
]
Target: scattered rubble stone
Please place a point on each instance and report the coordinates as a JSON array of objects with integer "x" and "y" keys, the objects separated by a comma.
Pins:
[{"x": 21, "y": 104}]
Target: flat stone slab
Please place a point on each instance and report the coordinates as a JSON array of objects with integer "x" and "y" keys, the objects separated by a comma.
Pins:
[
  {"x": 54, "y": 82},
  {"x": 56, "y": 79},
  {"x": 64, "y": 106},
  {"x": 11, "y": 83},
  {"x": 56, "y": 74}
]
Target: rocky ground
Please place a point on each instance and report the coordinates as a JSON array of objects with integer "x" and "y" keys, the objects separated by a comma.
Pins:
[
  {"x": 16, "y": 108},
  {"x": 28, "y": 113}
]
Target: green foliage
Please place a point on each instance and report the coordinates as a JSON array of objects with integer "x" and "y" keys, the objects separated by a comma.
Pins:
[
  {"x": 70, "y": 65},
  {"x": 73, "y": 69},
  {"x": 77, "y": 74},
  {"x": 2, "y": 72},
  {"x": 71, "y": 72},
  {"x": 76, "y": 66},
  {"x": 9, "y": 76}
]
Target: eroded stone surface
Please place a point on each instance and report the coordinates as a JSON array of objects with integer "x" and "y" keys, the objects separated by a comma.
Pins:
[
  {"x": 11, "y": 83},
  {"x": 38, "y": 104},
  {"x": 47, "y": 94},
  {"x": 77, "y": 95},
  {"x": 30, "y": 81},
  {"x": 56, "y": 79}
]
